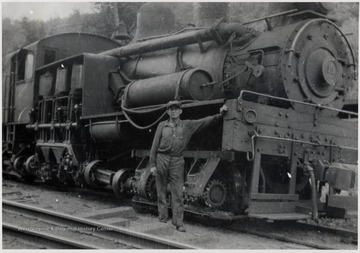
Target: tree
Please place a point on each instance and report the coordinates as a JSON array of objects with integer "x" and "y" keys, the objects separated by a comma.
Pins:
[
  {"x": 12, "y": 38},
  {"x": 33, "y": 30},
  {"x": 104, "y": 20}
]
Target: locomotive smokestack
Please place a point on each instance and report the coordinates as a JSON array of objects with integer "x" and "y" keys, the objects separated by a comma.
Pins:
[
  {"x": 154, "y": 19},
  {"x": 205, "y": 14}
]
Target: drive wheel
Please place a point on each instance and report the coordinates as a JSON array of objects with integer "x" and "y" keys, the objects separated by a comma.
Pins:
[
  {"x": 150, "y": 188},
  {"x": 120, "y": 182},
  {"x": 89, "y": 173},
  {"x": 30, "y": 167},
  {"x": 19, "y": 164},
  {"x": 215, "y": 194}
]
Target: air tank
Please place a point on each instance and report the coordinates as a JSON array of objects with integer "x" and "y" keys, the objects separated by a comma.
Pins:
[{"x": 191, "y": 84}]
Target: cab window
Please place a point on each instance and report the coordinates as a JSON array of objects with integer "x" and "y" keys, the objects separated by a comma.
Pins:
[
  {"x": 25, "y": 65},
  {"x": 29, "y": 66}
]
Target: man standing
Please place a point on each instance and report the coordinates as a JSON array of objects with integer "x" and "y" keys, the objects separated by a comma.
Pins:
[{"x": 167, "y": 162}]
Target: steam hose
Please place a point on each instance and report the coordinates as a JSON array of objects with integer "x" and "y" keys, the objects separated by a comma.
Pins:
[
  {"x": 147, "y": 109},
  {"x": 126, "y": 110}
]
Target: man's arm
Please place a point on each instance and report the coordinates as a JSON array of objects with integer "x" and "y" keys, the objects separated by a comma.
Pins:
[
  {"x": 199, "y": 124},
  {"x": 155, "y": 145}
]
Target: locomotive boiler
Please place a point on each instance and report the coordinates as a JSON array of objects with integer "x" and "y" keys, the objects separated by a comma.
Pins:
[{"x": 285, "y": 150}]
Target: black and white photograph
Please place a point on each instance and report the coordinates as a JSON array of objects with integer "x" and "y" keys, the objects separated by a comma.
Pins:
[{"x": 180, "y": 125}]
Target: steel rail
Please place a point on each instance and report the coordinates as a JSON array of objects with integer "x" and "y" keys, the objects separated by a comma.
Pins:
[
  {"x": 336, "y": 231},
  {"x": 345, "y": 234},
  {"x": 131, "y": 238},
  {"x": 47, "y": 240},
  {"x": 282, "y": 238}
]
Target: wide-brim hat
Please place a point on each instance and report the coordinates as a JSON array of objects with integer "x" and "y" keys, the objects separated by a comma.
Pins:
[{"x": 173, "y": 103}]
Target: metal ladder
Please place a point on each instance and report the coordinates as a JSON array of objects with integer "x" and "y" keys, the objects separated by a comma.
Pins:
[{"x": 10, "y": 137}]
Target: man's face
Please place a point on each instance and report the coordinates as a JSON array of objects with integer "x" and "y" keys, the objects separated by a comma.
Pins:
[{"x": 174, "y": 112}]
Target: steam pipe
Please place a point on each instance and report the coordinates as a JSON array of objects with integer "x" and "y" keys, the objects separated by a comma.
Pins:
[
  {"x": 224, "y": 30},
  {"x": 313, "y": 191},
  {"x": 49, "y": 125}
]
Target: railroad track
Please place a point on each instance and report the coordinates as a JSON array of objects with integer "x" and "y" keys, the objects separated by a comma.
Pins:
[
  {"x": 91, "y": 234},
  {"x": 289, "y": 231},
  {"x": 316, "y": 237}
]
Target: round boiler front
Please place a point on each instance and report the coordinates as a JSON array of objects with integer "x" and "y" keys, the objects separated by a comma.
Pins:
[{"x": 317, "y": 65}]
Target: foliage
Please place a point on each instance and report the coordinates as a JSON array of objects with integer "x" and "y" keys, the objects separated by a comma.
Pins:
[
  {"x": 11, "y": 39},
  {"x": 347, "y": 18},
  {"x": 21, "y": 32},
  {"x": 102, "y": 22}
]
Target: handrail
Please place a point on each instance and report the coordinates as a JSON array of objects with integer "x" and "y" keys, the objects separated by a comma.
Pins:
[
  {"x": 296, "y": 101},
  {"x": 256, "y": 135}
]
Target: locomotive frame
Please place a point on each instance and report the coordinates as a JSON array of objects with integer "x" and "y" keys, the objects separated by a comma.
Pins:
[{"x": 91, "y": 114}]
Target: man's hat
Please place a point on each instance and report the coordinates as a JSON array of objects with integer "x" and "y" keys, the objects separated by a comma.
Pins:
[{"x": 173, "y": 103}]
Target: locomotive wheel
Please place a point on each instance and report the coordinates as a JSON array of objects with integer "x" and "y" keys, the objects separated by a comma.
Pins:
[
  {"x": 18, "y": 164},
  {"x": 215, "y": 193},
  {"x": 119, "y": 182},
  {"x": 150, "y": 188},
  {"x": 32, "y": 164},
  {"x": 89, "y": 174}
]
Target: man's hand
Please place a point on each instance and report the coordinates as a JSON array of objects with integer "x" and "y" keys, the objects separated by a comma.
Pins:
[
  {"x": 153, "y": 171},
  {"x": 223, "y": 110}
]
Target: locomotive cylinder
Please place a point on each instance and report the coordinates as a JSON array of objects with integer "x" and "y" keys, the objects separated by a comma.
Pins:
[
  {"x": 107, "y": 131},
  {"x": 191, "y": 84}
]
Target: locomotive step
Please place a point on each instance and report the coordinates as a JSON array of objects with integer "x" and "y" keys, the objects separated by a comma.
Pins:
[
  {"x": 281, "y": 216},
  {"x": 119, "y": 212}
]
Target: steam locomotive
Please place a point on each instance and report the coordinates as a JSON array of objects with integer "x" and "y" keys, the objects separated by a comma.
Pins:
[{"x": 82, "y": 110}]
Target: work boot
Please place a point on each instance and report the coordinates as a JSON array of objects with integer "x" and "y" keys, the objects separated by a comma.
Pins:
[
  {"x": 180, "y": 228},
  {"x": 163, "y": 220}
]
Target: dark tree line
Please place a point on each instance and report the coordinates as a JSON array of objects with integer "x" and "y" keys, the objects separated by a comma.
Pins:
[{"x": 24, "y": 31}]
